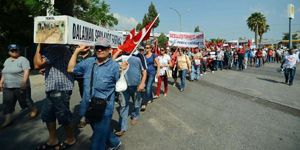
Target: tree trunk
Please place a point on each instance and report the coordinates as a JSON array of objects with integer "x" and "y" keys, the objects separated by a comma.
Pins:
[
  {"x": 256, "y": 30},
  {"x": 260, "y": 39}
]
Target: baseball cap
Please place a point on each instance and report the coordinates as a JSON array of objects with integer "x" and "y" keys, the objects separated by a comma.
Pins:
[
  {"x": 13, "y": 46},
  {"x": 103, "y": 42},
  {"x": 141, "y": 48}
]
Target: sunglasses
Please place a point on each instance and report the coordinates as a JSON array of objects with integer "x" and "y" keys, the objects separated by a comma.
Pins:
[
  {"x": 148, "y": 47},
  {"x": 100, "y": 48}
]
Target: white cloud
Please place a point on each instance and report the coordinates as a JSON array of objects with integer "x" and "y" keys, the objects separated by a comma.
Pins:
[{"x": 125, "y": 23}]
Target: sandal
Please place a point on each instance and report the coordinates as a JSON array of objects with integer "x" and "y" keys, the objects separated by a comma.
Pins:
[
  {"x": 46, "y": 146},
  {"x": 64, "y": 145},
  {"x": 33, "y": 114}
]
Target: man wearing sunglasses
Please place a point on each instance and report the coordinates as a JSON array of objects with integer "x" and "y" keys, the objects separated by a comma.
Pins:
[{"x": 100, "y": 76}]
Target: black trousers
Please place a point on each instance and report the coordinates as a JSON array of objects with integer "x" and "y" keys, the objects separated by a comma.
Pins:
[{"x": 10, "y": 98}]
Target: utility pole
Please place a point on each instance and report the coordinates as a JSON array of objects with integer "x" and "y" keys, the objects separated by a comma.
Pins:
[
  {"x": 180, "y": 25},
  {"x": 291, "y": 12}
]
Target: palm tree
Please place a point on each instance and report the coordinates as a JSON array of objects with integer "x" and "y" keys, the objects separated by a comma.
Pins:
[
  {"x": 258, "y": 24},
  {"x": 263, "y": 30}
]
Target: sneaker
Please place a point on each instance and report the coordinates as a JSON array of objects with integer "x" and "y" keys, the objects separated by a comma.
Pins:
[
  {"x": 291, "y": 83},
  {"x": 155, "y": 96},
  {"x": 181, "y": 90},
  {"x": 201, "y": 74},
  {"x": 120, "y": 133},
  {"x": 212, "y": 72},
  {"x": 115, "y": 148},
  {"x": 143, "y": 108},
  {"x": 150, "y": 101}
]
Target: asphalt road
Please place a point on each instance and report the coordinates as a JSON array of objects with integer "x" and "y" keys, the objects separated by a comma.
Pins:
[{"x": 228, "y": 110}]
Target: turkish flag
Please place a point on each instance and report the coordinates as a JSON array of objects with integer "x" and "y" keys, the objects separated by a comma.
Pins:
[
  {"x": 131, "y": 42},
  {"x": 130, "y": 35}
]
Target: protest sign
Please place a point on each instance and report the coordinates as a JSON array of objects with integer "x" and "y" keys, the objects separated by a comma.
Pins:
[
  {"x": 69, "y": 30},
  {"x": 184, "y": 39}
]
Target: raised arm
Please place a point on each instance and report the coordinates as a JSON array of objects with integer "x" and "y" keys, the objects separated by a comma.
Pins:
[
  {"x": 38, "y": 60},
  {"x": 72, "y": 62}
]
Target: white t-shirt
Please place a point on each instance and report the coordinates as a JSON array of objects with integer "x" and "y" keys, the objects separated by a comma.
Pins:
[
  {"x": 290, "y": 61},
  {"x": 264, "y": 53},
  {"x": 220, "y": 55},
  {"x": 164, "y": 60}
]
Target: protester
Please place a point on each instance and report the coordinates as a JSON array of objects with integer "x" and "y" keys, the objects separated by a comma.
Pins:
[
  {"x": 213, "y": 59},
  {"x": 174, "y": 65},
  {"x": 184, "y": 67},
  {"x": 135, "y": 77},
  {"x": 241, "y": 57},
  {"x": 289, "y": 64},
  {"x": 227, "y": 58},
  {"x": 270, "y": 56},
  {"x": 101, "y": 74},
  {"x": 196, "y": 65},
  {"x": 220, "y": 59},
  {"x": 259, "y": 58},
  {"x": 58, "y": 86},
  {"x": 15, "y": 85},
  {"x": 204, "y": 61},
  {"x": 141, "y": 54},
  {"x": 264, "y": 56},
  {"x": 164, "y": 61},
  {"x": 152, "y": 62}
]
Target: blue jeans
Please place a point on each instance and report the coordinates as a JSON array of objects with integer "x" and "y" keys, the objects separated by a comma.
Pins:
[
  {"x": 149, "y": 89},
  {"x": 195, "y": 74},
  {"x": 103, "y": 135},
  {"x": 289, "y": 74},
  {"x": 124, "y": 106},
  {"x": 182, "y": 74},
  {"x": 220, "y": 64},
  {"x": 259, "y": 62}
]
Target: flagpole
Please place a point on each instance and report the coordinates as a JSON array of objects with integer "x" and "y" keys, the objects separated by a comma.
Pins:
[{"x": 143, "y": 36}]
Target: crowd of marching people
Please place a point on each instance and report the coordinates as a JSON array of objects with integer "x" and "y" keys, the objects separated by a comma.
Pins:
[{"x": 97, "y": 74}]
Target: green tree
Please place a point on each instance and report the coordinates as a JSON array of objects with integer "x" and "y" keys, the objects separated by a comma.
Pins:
[
  {"x": 139, "y": 27},
  {"x": 97, "y": 13},
  {"x": 152, "y": 14},
  {"x": 286, "y": 36},
  {"x": 162, "y": 40},
  {"x": 197, "y": 29},
  {"x": 257, "y": 23},
  {"x": 145, "y": 20}
]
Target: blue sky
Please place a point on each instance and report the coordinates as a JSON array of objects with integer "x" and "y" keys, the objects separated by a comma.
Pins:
[{"x": 217, "y": 18}]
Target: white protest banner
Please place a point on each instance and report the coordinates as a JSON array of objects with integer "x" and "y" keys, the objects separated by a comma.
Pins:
[
  {"x": 185, "y": 39},
  {"x": 69, "y": 30}
]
